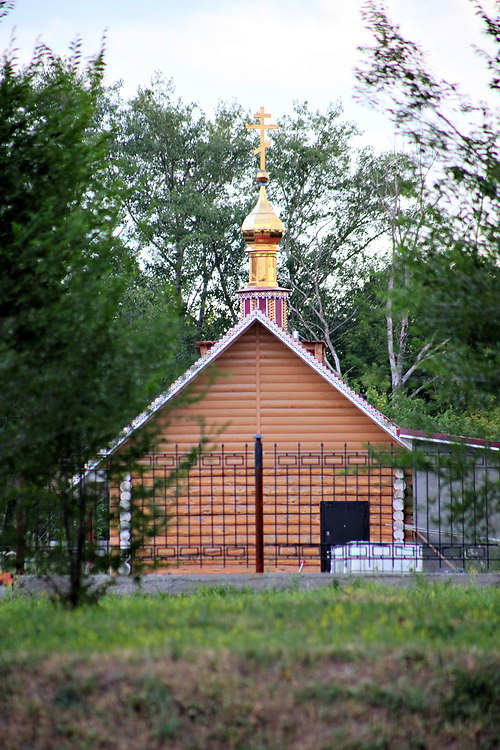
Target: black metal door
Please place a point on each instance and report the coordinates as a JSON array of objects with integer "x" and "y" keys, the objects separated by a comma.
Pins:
[{"x": 341, "y": 522}]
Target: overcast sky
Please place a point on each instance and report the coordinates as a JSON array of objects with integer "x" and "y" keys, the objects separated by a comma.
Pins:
[{"x": 255, "y": 52}]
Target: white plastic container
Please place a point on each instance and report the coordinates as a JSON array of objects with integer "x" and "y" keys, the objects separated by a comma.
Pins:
[{"x": 370, "y": 557}]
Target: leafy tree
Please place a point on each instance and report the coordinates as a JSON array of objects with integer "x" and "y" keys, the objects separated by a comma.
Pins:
[
  {"x": 410, "y": 216},
  {"x": 74, "y": 369},
  {"x": 452, "y": 281},
  {"x": 185, "y": 203},
  {"x": 332, "y": 215},
  {"x": 191, "y": 184},
  {"x": 461, "y": 136}
]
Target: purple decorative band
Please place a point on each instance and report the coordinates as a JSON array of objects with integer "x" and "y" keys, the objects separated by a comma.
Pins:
[{"x": 270, "y": 302}]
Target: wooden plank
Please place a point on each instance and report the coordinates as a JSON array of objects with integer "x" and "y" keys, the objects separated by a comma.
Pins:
[
  {"x": 318, "y": 420},
  {"x": 277, "y": 406},
  {"x": 295, "y": 404}
]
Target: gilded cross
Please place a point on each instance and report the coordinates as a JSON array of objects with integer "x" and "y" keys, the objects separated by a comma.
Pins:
[{"x": 261, "y": 114}]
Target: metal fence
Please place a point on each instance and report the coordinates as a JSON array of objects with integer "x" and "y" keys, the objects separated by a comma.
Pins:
[{"x": 264, "y": 508}]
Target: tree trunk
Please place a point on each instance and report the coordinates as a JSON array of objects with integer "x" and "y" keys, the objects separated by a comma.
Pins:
[{"x": 20, "y": 539}]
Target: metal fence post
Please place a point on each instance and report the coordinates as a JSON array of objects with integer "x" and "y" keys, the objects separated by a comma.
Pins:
[{"x": 259, "y": 512}]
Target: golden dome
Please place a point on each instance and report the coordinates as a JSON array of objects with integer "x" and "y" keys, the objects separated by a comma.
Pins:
[{"x": 262, "y": 226}]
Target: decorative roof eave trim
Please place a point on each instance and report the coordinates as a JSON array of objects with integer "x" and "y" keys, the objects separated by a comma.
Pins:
[
  {"x": 295, "y": 345},
  {"x": 218, "y": 348},
  {"x": 221, "y": 345},
  {"x": 178, "y": 385}
]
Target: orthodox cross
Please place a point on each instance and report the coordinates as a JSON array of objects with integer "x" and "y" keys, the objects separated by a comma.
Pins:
[{"x": 261, "y": 114}]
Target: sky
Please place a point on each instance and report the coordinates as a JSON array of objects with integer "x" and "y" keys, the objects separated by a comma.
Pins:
[{"x": 257, "y": 53}]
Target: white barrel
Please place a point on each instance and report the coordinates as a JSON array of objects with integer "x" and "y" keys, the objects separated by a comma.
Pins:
[{"x": 397, "y": 503}]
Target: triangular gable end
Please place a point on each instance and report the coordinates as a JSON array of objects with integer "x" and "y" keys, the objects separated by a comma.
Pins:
[{"x": 222, "y": 345}]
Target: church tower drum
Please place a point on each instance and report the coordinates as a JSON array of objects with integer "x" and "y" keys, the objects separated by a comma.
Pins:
[{"x": 262, "y": 231}]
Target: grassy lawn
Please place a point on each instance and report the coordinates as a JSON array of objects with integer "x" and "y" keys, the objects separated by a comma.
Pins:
[{"x": 356, "y": 668}]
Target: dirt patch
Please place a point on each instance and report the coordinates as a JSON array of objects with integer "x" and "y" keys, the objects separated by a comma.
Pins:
[{"x": 320, "y": 701}]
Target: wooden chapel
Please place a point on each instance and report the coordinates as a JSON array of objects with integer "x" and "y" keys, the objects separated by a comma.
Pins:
[{"x": 320, "y": 485}]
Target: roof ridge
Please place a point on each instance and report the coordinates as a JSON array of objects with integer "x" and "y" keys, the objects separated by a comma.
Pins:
[{"x": 220, "y": 345}]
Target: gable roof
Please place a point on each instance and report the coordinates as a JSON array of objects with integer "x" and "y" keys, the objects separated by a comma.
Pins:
[
  {"x": 439, "y": 437},
  {"x": 224, "y": 343}
]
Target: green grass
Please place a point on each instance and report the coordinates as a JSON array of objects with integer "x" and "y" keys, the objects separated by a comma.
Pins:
[
  {"x": 356, "y": 616},
  {"x": 362, "y": 667}
]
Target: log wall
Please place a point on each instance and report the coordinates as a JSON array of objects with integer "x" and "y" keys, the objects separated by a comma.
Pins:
[{"x": 259, "y": 386}]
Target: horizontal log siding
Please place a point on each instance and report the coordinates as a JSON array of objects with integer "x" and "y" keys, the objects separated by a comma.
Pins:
[
  {"x": 260, "y": 386},
  {"x": 212, "y": 523}
]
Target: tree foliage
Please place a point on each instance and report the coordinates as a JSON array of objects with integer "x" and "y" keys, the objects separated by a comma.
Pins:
[
  {"x": 190, "y": 186},
  {"x": 73, "y": 368},
  {"x": 461, "y": 135},
  {"x": 324, "y": 188},
  {"x": 185, "y": 203},
  {"x": 452, "y": 278}
]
